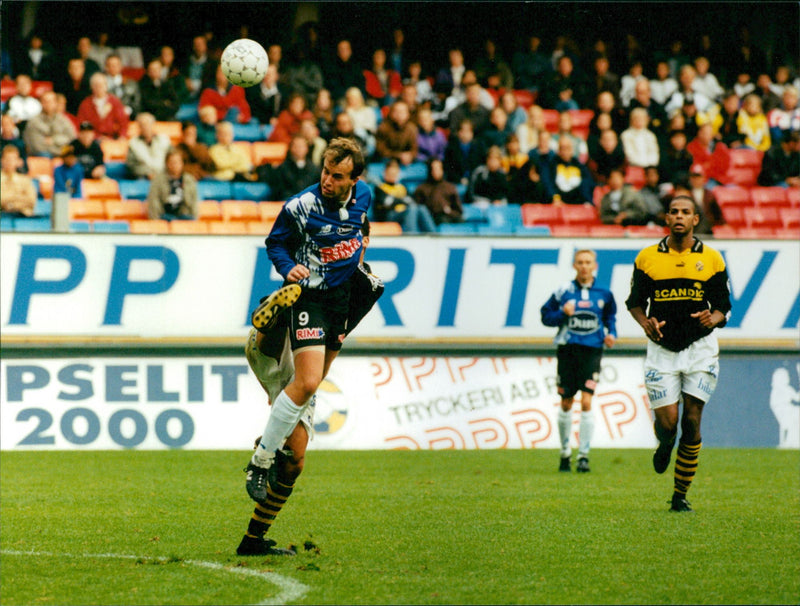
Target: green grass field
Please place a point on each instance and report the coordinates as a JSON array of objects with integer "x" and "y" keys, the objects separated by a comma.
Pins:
[{"x": 398, "y": 527}]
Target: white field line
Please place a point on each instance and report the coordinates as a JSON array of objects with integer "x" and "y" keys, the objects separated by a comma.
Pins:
[{"x": 289, "y": 589}]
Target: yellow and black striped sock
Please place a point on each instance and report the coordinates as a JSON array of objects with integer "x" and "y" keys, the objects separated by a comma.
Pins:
[
  {"x": 264, "y": 513},
  {"x": 686, "y": 466}
]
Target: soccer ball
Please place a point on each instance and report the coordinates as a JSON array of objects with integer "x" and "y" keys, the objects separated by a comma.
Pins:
[{"x": 244, "y": 62}]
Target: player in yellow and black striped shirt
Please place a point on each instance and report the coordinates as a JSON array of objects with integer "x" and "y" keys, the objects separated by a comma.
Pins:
[{"x": 679, "y": 295}]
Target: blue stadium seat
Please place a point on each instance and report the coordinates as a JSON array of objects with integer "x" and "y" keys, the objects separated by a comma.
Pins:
[
  {"x": 251, "y": 131},
  {"x": 134, "y": 189},
  {"x": 475, "y": 214},
  {"x": 459, "y": 229},
  {"x": 6, "y": 223},
  {"x": 214, "y": 190},
  {"x": 250, "y": 191},
  {"x": 507, "y": 216},
  {"x": 532, "y": 230},
  {"x": 43, "y": 208},
  {"x": 416, "y": 171},
  {"x": 495, "y": 230},
  {"x": 80, "y": 227},
  {"x": 116, "y": 227},
  {"x": 462, "y": 190},
  {"x": 32, "y": 224},
  {"x": 116, "y": 170},
  {"x": 187, "y": 111}
]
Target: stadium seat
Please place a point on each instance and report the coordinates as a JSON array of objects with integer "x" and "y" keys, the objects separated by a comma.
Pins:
[
  {"x": 126, "y": 210},
  {"x": 188, "y": 227},
  {"x": 269, "y": 210},
  {"x": 525, "y": 98},
  {"x": 134, "y": 189},
  {"x": 251, "y": 131},
  {"x": 259, "y": 227},
  {"x": 209, "y": 210},
  {"x": 725, "y": 231},
  {"x": 187, "y": 111},
  {"x": 32, "y": 224},
  {"x": 790, "y": 217},
  {"x": 269, "y": 152},
  {"x": 39, "y": 165},
  {"x": 744, "y": 157},
  {"x": 532, "y": 230},
  {"x": 87, "y": 210},
  {"x": 645, "y": 231},
  {"x": 569, "y": 230},
  {"x": 227, "y": 227},
  {"x": 115, "y": 150},
  {"x": 756, "y": 233},
  {"x": 116, "y": 170},
  {"x": 787, "y": 234},
  {"x": 8, "y": 88},
  {"x": 502, "y": 217},
  {"x": 458, "y": 229},
  {"x": 255, "y": 190},
  {"x": 385, "y": 228},
  {"x": 172, "y": 128},
  {"x": 732, "y": 195},
  {"x": 115, "y": 227},
  {"x": 743, "y": 176},
  {"x": 536, "y": 214},
  {"x": 767, "y": 217},
  {"x": 474, "y": 214},
  {"x": 579, "y": 214},
  {"x": 793, "y": 197},
  {"x": 496, "y": 230},
  {"x": 240, "y": 210},
  {"x": 550, "y": 120},
  {"x": 607, "y": 231},
  {"x": 6, "y": 223},
  {"x": 134, "y": 73},
  {"x": 214, "y": 190},
  {"x": 597, "y": 194},
  {"x": 634, "y": 175},
  {"x": 733, "y": 215},
  {"x": 80, "y": 227},
  {"x": 149, "y": 226},
  {"x": 769, "y": 196},
  {"x": 44, "y": 187},
  {"x": 100, "y": 189}
]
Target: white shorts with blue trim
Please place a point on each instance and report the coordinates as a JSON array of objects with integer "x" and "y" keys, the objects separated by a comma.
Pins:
[{"x": 693, "y": 371}]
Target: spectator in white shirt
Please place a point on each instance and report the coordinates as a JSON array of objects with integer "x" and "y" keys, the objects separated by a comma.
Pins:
[
  {"x": 663, "y": 85},
  {"x": 639, "y": 143},
  {"x": 706, "y": 83},
  {"x": 23, "y": 106}
]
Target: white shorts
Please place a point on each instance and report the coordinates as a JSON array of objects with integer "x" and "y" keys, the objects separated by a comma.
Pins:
[{"x": 694, "y": 371}]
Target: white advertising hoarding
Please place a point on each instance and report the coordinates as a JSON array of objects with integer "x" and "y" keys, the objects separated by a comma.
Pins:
[{"x": 437, "y": 288}]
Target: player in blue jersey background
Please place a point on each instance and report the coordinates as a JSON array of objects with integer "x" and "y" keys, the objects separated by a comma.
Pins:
[{"x": 585, "y": 314}]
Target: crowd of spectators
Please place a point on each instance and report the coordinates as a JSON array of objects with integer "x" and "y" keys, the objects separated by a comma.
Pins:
[{"x": 543, "y": 125}]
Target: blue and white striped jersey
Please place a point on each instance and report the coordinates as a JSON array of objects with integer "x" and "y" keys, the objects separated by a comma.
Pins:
[
  {"x": 325, "y": 238},
  {"x": 595, "y": 314}
]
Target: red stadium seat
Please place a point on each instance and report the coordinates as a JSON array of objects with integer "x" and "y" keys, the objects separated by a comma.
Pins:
[
  {"x": 793, "y": 197},
  {"x": 550, "y": 117},
  {"x": 725, "y": 231},
  {"x": 767, "y": 216},
  {"x": 634, "y": 175},
  {"x": 569, "y": 230},
  {"x": 741, "y": 156},
  {"x": 539, "y": 214},
  {"x": 790, "y": 217},
  {"x": 525, "y": 98},
  {"x": 769, "y": 196},
  {"x": 756, "y": 233},
  {"x": 579, "y": 214},
  {"x": 732, "y": 195},
  {"x": 734, "y": 216}
]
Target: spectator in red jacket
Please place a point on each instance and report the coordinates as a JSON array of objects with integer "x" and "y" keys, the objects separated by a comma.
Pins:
[
  {"x": 290, "y": 119},
  {"x": 103, "y": 110},
  {"x": 382, "y": 84},
  {"x": 225, "y": 97}
]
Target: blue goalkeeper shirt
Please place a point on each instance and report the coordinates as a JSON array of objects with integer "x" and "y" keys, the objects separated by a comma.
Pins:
[
  {"x": 595, "y": 314},
  {"x": 325, "y": 237}
]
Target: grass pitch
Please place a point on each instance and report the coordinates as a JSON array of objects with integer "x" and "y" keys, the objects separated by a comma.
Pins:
[{"x": 398, "y": 527}]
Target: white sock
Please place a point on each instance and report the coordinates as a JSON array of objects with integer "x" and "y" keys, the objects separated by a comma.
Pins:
[
  {"x": 283, "y": 418},
  {"x": 585, "y": 431},
  {"x": 564, "y": 427}
]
